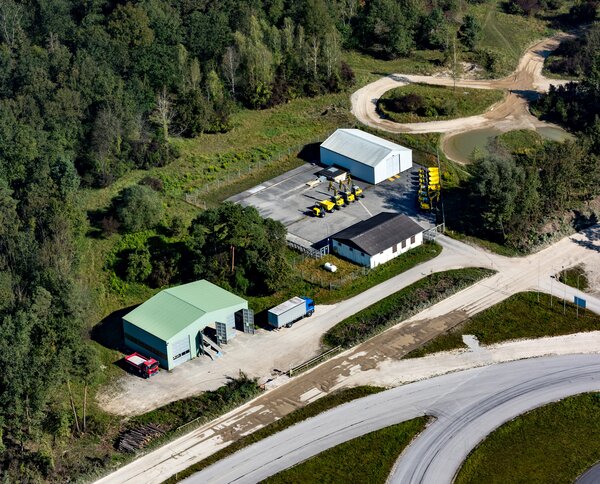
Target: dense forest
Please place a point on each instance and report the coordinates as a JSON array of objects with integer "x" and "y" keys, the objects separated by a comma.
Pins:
[
  {"x": 107, "y": 82},
  {"x": 91, "y": 89}
]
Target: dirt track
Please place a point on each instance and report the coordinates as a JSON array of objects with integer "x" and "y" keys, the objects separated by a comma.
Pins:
[{"x": 509, "y": 114}]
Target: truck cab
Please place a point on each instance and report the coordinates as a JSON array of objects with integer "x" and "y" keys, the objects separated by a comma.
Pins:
[
  {"x": 310, "y": 306},
  {"x": 145, "y": 367}
]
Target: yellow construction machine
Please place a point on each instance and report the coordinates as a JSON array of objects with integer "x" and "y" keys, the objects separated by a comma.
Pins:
[
  {"x": 336, "y": 199},
  {"x": 356, "y": 190},
  {"x": 425, "y": 204},
  {"x": 347, "y": 195},
  {"x": 327, "y": 205},
  {"x": 318, "y": 211}
]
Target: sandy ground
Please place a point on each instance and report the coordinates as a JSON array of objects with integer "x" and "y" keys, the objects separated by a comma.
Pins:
[
  {"x": 592, "y": 272},
  {"x": 509, "y": 114},
  {"x": 392, "y": 373}
]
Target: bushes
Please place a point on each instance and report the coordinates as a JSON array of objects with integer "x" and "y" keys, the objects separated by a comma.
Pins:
[
  {"x": 420, "y": 102},
  {"x": 207, "y": 405},
  {"x": 139, "y": 208},
  {"x": 401, "y": 305}
]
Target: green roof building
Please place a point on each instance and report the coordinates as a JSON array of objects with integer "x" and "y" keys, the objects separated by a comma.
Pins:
[{"x": 168, "y": 326}]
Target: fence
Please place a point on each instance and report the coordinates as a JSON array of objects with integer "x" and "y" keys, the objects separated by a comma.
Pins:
[
  {"x": 232, "y": 175},
  {"x": 309, "y": 251},
  {"x": 431, "y": 234},
  {"x": 313, "y": 361}
]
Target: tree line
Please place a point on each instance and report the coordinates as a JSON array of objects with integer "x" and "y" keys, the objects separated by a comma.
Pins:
[
  {"x": 518, "y": 197},
  {"x": 232, "y": 246}
]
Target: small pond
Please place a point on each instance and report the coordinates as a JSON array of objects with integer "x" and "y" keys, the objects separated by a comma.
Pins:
[{"x": 460, "y": 147}]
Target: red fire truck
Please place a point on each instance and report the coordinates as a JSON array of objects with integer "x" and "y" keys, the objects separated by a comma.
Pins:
[{"x": 146, "y": 367}]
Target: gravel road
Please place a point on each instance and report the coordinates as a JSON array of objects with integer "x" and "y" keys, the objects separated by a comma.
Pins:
[{"x": 509, "y": 114}]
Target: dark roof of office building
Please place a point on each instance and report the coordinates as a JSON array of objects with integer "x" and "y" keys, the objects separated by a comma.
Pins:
[
  {"x": 379, "y": 233},
  {"x": 331, "y": 172}
]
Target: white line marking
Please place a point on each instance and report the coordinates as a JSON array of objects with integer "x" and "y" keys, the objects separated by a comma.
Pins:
[{"x": 361, "y": 204}]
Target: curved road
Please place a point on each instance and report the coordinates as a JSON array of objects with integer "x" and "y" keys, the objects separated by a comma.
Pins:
[
  {"x": 591, "y": 476},
  {"x": 467, "y": 406},
  {"x": 509, "y": 114}
]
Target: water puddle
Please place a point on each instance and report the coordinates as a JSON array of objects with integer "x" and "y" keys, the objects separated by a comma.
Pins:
[{"x": 463, "y": 146}]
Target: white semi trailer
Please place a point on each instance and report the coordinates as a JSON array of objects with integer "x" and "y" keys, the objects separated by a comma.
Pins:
[{"x": 290, "y": 311}]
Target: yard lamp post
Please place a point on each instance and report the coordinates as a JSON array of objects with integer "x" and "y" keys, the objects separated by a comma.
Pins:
[
  {"x": 565, "y": 296},
  {"x": 538, "y": 288},
  {"x": 551, "y": 280}
]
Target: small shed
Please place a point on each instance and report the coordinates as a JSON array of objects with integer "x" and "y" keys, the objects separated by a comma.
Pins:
[
  {"x": 364, "y": 155},
  {"x": 378, "y": 239},
  {"x": 168, "y": 326}
]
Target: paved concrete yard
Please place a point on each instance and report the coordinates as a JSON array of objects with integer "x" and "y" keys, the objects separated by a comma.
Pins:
[{"x": 288, "y": 199}]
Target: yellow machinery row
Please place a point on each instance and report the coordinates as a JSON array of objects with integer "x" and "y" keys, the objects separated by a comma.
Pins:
[
  {"x": 345, "y": 194},
  {"x": 429, "y": 187}
]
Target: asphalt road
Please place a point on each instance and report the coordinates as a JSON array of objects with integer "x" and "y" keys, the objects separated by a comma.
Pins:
[
  {"x": 591, "y": 476},
  {"x": 467, "y": 406}
]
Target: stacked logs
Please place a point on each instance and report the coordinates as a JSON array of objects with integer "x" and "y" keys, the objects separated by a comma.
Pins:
[{"x": 135, "y": 439}]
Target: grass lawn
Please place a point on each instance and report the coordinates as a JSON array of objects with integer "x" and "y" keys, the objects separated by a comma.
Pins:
[
  {"x": 520, "y": 140},
  {"x": 401, "y": 305},
  {"x": 574, "y": 277},
  {"x": 546, "y": 72},
  {"x": 321, "y": 405},
  {"x": 507, "y": 36},
  {"x": 520, "y": 316},
  {"x": 365, "y": 459},
  {"x": 368, "y": 68},
  {"x": 348, "y": 282},
  {"x": 474, "y": 240},
  {"x": 437, "y": 102},
  {"x": 551, "y": 444}
]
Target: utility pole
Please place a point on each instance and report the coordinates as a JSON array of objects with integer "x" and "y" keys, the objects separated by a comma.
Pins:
[
  {"x": 437, "y": 153},
  {"x": 538, "y": 291},
  {"x": 454, "y": 62},
  {"x": 577, "y": 302}
]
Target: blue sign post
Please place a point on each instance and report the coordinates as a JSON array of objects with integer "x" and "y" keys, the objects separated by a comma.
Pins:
[{"x": 580, "y": 303}]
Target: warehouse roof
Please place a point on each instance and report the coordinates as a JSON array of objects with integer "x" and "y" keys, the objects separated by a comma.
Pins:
[
  {"x": 361, "y": 146},
  {"x": 172, "y": 310},
  {"x": 379, "y": 233}
]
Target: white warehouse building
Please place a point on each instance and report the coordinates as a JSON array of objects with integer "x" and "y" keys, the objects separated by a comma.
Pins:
[
  {"x": 365, "y": 156},
  {"x": 378, "y": 239}
]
